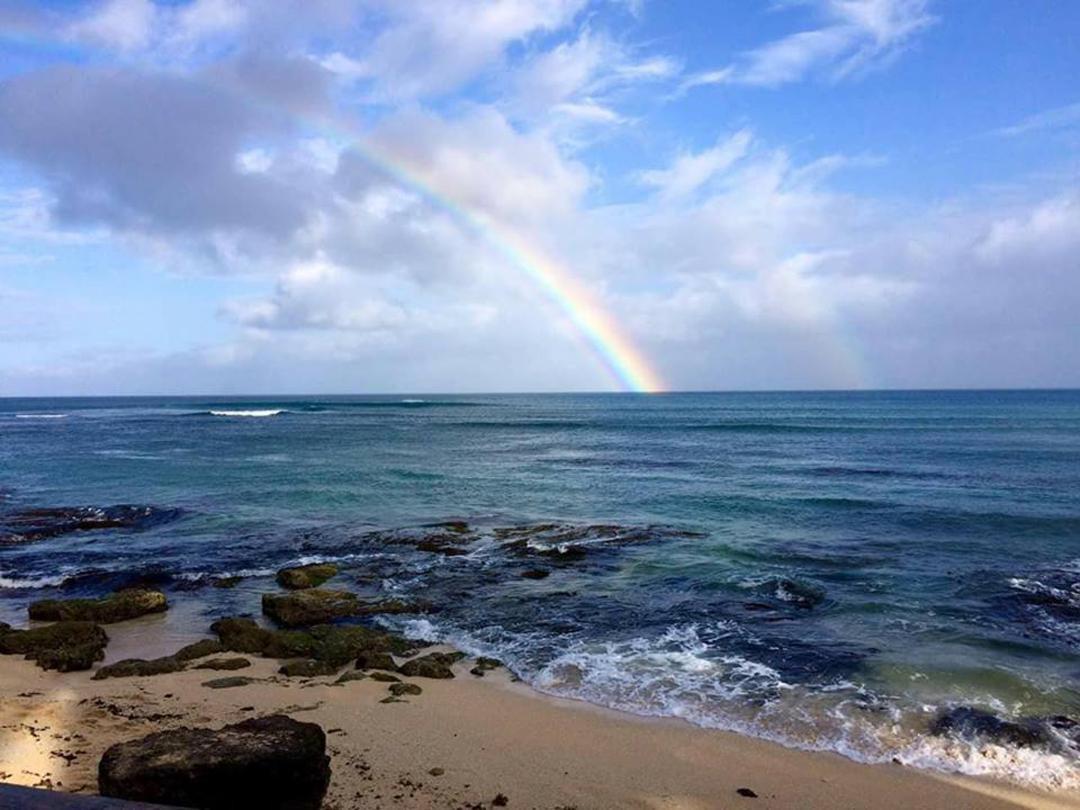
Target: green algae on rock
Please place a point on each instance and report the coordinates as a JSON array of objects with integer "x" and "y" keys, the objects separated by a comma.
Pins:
[
  {"x": 306, "y": 576},
  {"x": 65, "y": 646},
  {"x": 116, "y": 607},
  {"x": 139, "y": 667}
]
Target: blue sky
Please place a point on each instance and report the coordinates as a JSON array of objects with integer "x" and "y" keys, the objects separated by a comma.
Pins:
[{"x": 789, "y": 194}]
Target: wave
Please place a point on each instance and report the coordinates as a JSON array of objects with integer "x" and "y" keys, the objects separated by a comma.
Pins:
[
  {"x": 41, "y": 416},
  {"x": 250, "y": 414},
  {"x": 32, "y": 583}
]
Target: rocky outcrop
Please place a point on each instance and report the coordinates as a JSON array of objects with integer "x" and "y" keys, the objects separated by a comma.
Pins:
[
  {"x": 64, "y": 646},
  {"x": 306, "y": 576},
  {"x": 30, "y": 525},
  {"x": 138, "y": 667},
  {"x": 309, "y": 668},
  {"x": 260, "y": 763},
  {"x": 975, "y": 724},
  {"x": 308, "y": 607},
  {"x": 432, "y": 665},
  {"x": 332, "y": 644},
  {"x": 225, "y": 664},
  {"x": 374, "y": 659},
  {"x": 200, "y": 649},
  {"x": 117, "y": 607}
]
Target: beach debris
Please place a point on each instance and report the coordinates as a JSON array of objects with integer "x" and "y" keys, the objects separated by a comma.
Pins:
[
  {"x": 200, "y": 649},
  {"x": 485, "y": 665},
  {"x": 63, "y": 646},
  {"x": 31, "y": 525},
  {"x": 309, "y": 668},
  {"x": 138, "y": 667},
  {"x": 399, "y": 689},
  {"x": 746, "y": 793},
  {"x": 225, "y": 663},
  {"x": 311, "y": 606},
  {"x": 129, "y": 603},
  {"x": 970, "y": 723},
  {"x": 306, "y": 576},
  {"x": 229, "y": 682},
  {"x": 437, "y": 771},
  {"x": 432, "y": 665},
  {"x": 270, "y": 761},
  {"x": 373, "y": 659}
]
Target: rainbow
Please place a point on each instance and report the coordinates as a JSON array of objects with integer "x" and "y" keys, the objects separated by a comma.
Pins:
[{"x": 598, "y": 329}]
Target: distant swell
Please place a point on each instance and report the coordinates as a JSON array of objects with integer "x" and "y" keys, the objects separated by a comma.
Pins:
[{"x": 252, "y": 414}]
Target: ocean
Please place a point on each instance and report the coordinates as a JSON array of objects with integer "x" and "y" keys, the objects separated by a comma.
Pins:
[{"x": 833, "y": 571}]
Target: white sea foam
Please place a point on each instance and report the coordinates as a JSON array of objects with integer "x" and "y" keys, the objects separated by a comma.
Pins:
[
  {"x": 28, "y": 583},
  {"x": 251, "y": 414},
  {"x": 41, "y": 416},
  {"x": 197, "y": 576},
  {"x": 412, "y": 401}
]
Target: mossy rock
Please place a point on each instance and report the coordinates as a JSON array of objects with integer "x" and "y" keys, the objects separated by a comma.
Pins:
[
  {"x": 433, "y": 665},
  {"x": 139, "y": 667},
  {"x": 200, "y": 649},
  {"x": 227, "y": 582},
  {"x": 384, "y": 677},
  {"x": 117, "y": 607},
  {"x": 306, "y": 576},
  {"x": 485, "y": 665},
  {"x": 399, "y": 689},
  {"x": 334, "y": 644},
  {"x": 66, "y": 646},
  {"x": 225, "y": 664},
  {"x": 308, "y": 669},
  {"x": 308, "y": 607},
  {"x": 371, "y": 659},
  {"x": 241, "y": 635}
]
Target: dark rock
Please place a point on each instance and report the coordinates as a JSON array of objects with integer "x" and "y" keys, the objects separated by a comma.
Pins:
[
  {"x": 395, "y": 606},
  {"x": 229, "y": 682},
  {"x": 64, "y": 646},
  {"x": 117, "y": 607},
  {"x": 376, "y": 660},
  {"x": 535, "y": 573},
  {"x": 138, "y": 667},
  {"x": 975, "y": 724},
  {"x": 308, "y": 669},
  {"x": 351, "y": 675},
  {"x": 399, "y": 689},
  {"x": 800, "y": 594},
  {"x": 265, "y": 762},
  {"x": 384, "y": 677},
  {"x": 437, "y": 771},
  {"x": 30, "y": 525},
  {"x": 442, "y": 545},
  {"x": 331, "y": 643},
  {"x": 306, "y": 576},
  {"x": 747, "y": 793},
  {"x": 226, "y": 582},
  {"x": 500, "y": 800},
  {"x": 225, "y": 664},
  {"x": 433, "y": 665},
  {"x": 200, "y": 649},
  {"x": 485, "y": 665},
  {"x": 308, "y": 607},
  {"x": 241, "y": 635}
]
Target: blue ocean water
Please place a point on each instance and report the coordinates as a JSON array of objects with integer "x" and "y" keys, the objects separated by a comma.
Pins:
[{"x": 831, "y": 570}]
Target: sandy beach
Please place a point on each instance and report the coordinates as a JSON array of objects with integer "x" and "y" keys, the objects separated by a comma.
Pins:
[{"x": 462, "y": 743}]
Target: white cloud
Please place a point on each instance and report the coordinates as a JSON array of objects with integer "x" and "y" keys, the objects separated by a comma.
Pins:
[
  {"x": 690, "y": 172},
  {"x": 1058, "y": 118}
]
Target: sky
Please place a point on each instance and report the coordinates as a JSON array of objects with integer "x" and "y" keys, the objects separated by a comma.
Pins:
[{"x": 364, "y": 196}]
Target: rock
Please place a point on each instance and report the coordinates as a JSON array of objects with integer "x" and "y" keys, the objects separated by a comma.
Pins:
[
  {"x": 138, "y": 667},
  {"x": 226, "y": 582},
  {"x": 747, "y": 793},
  {"x": 30, "y": 525},
  {"x": 117, "y": 607},
  {"x": 335, "y": 644},
  {"x": 64, "y": 646},
  {"x": 229, "y": 682},
  {"x": 241, "y": 635},
  {"x": 371, "y": 659},
  {"x": 970, "y": 723},
  {"x": 265, "y": 762},
  {"x": 395, "y": 606},
  {"x": 437, "y": 771},
  {"x": 399, "y": 689},
  {"x": 225, "y": 664},
  {"x": 308, "y": 607},
  {"x": 306, "y": 576},
  {"x": 800, "y": 594},
  {"x": 384, "y": 677},
  {"x": 500, "y": 800},
  {"x": 433, "y": 665},
  {"x": 535, "y": 573},
  {"x": 200, "y": 649},
  {"x": 308, "y": 669},
  {"x": 485, "y": 665},
  {"x": 351, "y": 675},
  {"x": 441, "y": 545}
]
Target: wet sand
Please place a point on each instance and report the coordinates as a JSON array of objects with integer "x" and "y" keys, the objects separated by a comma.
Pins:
[{"x": 459, "y": 744}]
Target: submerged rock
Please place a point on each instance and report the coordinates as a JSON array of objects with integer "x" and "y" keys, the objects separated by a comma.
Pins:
[
  {"x": 308, "y": 669},
  {"x": 485, "y": 665},
  {"x": 535, "y": 573},
  {"x": 312, "y": 606},
  {"x": 225, "y": 664},
  {"x": 265, "y": 762},
  {"x": 975, "y": 724},
  {"x": 116, "y": 607},
  {"x": 64, "y": 646},
  {"x": 432, "y": 665},
  {"x": 200, "y": 649},
  {"x": 30, "y": 525},
  {"x": 306, "y": 576},
  {"x": 137, "y": 667}
]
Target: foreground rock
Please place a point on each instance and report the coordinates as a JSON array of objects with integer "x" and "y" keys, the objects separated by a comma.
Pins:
[
  {"x": 64, "y": 646},
  {"x": 199, "y": 649},
  {"x": 139, "y": 667},
  {"x": 260, "y": 763},
  {"x": 306, "y": 576},
  {"x": 117, "y": 607},
  {"x": 312, "y": 606},
  {"x": 30, "y": 525},
  {"x": 337, "y": 645},
  {"x": 433, "y": 665}
]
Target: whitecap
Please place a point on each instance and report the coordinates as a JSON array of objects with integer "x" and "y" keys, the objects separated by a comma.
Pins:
[
  {"x": 252, "y": 414},
  {"x": 41, "y": 416}
]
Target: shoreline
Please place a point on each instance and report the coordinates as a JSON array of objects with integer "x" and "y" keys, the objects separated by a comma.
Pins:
[{"x": 488, "y": 736}]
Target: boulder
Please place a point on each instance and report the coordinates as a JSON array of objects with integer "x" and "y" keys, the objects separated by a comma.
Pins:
[
  {"x": 432, "y": 665},
  {"x": 309, "y": 668},
  {"x": 336, "y": 644},
  {"x": 225, "y": 664},
  {"x": 241, "y": 635},
  {"x": 116, "y": 607},
  {"x": 138, "y": 667},
  {"x": 975, "y": 724},
  {"x": 264, "y": 762},
  {"x": 200, "y": 649},
  {"x": 384, "y": 677},
  {"x": 485, "y": 665},
  {"x": 64, "y": 646},
  {"x": 311, "y": 606},
  {"x": 399, "y": 689},
  {"x": 306, "y": 576},
  {"x": 370, "y": 659}
]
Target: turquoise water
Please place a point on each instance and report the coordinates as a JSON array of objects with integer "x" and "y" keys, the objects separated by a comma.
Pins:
[{"x": 829, "y": 570}]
